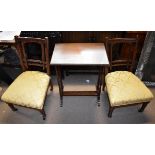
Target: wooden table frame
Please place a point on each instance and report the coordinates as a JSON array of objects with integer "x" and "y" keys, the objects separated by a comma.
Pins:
[
  {"x": 80, "y": 54},
  {"x": 96, "y": 92}
]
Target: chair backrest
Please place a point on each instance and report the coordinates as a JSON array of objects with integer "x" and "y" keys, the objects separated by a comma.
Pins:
[
  {"x": 42, "y": 59},
  {"x": 115, "y": 48}
]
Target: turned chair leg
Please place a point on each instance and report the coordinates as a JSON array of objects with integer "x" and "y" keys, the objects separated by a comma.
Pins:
[
  {"x": 42, "y": 111},
  {"x": 143, "y": 107},
  {"x": 12, "y": 107},
  {"x": 110, "y": 111}
]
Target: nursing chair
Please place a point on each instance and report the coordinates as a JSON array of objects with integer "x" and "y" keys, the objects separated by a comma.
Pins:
[
  {"x": 122, "y": 86},
  {"x": 29, "y": 89}
]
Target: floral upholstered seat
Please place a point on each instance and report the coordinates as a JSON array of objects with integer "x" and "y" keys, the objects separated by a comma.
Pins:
[
  {"x": 125, "y": 88},
  {"x": 29, "y": 89}
]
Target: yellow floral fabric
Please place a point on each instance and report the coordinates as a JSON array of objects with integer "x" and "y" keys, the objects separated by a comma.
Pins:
[
  {"x": 29, "y": 89},
  {"x": 125, "y": 88}
]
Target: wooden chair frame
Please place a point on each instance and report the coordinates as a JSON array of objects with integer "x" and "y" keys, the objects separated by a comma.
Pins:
[
  {"x": 25, "y": 62},
  {"x": 128, "y": 62}
]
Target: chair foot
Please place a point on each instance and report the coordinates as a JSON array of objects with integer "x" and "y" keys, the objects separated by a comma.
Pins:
[
  {"x": 110, "y": 111},
  {"x": 42, "y": 111},
  {"x": 143, "y": 107},
  {"x": 12, "y": 107}
]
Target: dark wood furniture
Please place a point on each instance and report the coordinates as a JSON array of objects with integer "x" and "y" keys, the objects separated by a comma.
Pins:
[
  {"x": 121, "y": 60},
  {"x": 127, "y": 62},
  {"x": 88, "y": 36},
  {"x": 27, "y": 63},
  {"x": 80, "y": 54},
  {"x": 84, "y": 37},
  {"x": 117, "y": 59}
]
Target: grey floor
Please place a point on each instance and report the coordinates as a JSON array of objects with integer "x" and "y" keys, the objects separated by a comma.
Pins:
[{"x": 76, "y": 109}]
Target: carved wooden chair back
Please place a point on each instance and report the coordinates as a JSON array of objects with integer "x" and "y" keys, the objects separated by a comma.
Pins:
[
  {"x": 119, "y": 57},
  {"x": 25, "y": 60}
]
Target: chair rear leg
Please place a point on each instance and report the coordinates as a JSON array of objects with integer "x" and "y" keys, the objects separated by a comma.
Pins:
[
  {"x": 42, "y": 111},
  {"x": 12, "y": 107},
  {"x": 143, "y": 107},
  {"x": 110, "y": 111}
]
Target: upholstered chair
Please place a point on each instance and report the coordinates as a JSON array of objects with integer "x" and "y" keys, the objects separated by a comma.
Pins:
[
  {"x": 122, "y": 86},
  {"x": 29, "y": 89}
]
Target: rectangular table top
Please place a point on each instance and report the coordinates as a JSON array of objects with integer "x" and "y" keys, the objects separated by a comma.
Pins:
[
  {"x": 8, "y": 36},
  {"x": 79, "y": 54}
]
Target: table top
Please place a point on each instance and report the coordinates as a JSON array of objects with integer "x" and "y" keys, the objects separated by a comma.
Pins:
[
  {"x": 79, "y": 54},
  {"x": 8, "y": 36}
]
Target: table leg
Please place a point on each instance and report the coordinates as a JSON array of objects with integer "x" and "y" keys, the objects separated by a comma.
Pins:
[
  {"x": 99, "y": 84},
  {"x": 60, "y": 84},
  {"x": 104, "y": 74}
]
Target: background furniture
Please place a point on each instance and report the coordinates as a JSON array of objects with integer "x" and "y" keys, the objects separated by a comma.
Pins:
[
  {"x": 29, "y": 88},
  {"x": 123, "y": 87},
  {"x": 79, "y": 54}
]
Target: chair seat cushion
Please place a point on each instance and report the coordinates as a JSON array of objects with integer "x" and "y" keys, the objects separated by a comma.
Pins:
[
  {"x": 29, "y": 89},
  {"x": 125, "y": 88}
]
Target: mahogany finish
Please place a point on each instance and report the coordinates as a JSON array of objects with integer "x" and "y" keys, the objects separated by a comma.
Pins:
[
  {"x": 130, "y": 46},
  {"x": 79, "y": 54},
  {"x": 84, "y": 54},
  {"x": 127, "y": 61},
  {"x": 26, "y": 63}
]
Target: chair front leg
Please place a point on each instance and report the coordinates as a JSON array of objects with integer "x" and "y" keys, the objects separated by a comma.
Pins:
[
  {"x": 143, "y": 107},
  {"x": 42, "y": 111},
  {"x": 12, "y": 107},
  {"x": 110, "y": 111}
]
